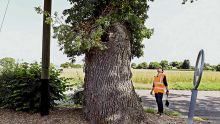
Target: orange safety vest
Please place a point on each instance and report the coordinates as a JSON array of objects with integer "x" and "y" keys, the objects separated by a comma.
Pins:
[{"x": 158, "y": 84}]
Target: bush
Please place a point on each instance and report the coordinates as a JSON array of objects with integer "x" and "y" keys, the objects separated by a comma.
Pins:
[
  {"x": 142, "y": 65},
  {"x": 154, "y": 65},
  {"x": 20, "y": 87},
  {"x": 207, "y": 66},
  {"x": 7, "y": 63},
  {"x": 164, "y": 64},
  {"x": 175, "y": 64},
  {"x": 186, "y": 64},
  {"x": 78, "y": 97},
  {"x": 133, "y": 65},
  {"x": 218, "y": 67}
]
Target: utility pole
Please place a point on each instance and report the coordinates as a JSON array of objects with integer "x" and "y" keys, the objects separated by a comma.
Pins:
[{"x": 45, "y": 97}]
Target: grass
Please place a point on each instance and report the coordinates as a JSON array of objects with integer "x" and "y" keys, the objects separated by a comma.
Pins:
[
  {"x": 204, "y": 86},
  {"x": 166, "y": 112},
  {"x": 177, "y": 79},
  {"x": 199, "y": 119},
  {"x": 69, "y": 105},
  {"x": 150, "y": 110},
  {"x": 146, "y": 76}
]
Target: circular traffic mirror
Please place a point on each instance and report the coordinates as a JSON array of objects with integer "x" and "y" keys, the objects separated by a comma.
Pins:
[{"x": 198, "y": 69}]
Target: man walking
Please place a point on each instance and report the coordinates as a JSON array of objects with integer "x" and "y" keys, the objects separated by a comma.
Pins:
[{"x": 159, "y": 84}]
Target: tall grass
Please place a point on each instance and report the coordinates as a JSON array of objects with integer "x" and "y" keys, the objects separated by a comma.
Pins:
[
  {"x": 143, "y": 78},
  {"x": 146, "y": 76}
]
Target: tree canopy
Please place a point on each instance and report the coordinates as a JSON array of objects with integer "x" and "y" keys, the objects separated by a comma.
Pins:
[{"x": 87, "y": 22}]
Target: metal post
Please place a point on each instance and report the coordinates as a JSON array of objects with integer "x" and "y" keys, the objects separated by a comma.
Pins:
[
  {"x": 196, "y": 81},
  {"x": 45, "y": 100},
  {"x": 192, "y": 106}
]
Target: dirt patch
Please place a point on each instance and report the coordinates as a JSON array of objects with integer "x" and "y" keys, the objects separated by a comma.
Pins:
[
  {"x": 57, "y": 116},
  {"x": 70, "y": 116}
]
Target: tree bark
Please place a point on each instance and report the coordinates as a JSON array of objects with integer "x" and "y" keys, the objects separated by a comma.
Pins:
[{"x": 110, "y": 97}]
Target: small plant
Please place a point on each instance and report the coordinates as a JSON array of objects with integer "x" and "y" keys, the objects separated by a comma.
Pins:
[
  {"x": 166, "y": 112},
  {"x": 200, "y": 119},
  {"x": 150, "y": 110},
  {"x": 172, "y": 113}
]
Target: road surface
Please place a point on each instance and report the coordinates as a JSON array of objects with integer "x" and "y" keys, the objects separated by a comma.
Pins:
[{"x": 208, "y": 103}]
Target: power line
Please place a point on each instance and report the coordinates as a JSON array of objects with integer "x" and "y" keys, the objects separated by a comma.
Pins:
[{"x": 4, "y": 15}]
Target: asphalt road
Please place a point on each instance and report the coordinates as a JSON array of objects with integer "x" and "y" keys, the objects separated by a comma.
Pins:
[{"x": 208, "y": 103}]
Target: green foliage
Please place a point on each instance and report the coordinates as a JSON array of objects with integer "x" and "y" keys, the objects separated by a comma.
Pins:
[
  {"x": 218, "y": 67},
  {"x": 7, "y": 63},
  {"x": 65, "y": 65},
  {"x": 70, "y": 65},
  {"x": 166, "y": 112},
  {"x": 150, "y": 110},
  {"x": 154, "y": 65},
  {"x": 142, "y": 65},
  {"x": 186, "y": 64},
  {"x": 172, "y": 113},
  {"x": 185, "y": 1},
  {"x": 164, "y": 64},
  {"x": 88, "y": 20},
  {"x": 207, "y": 66},
  {"x": 20, "y": 87},
  {"x": 133, "y": 65},
  {"x": 78, "y": 97},
  {"x": 174, "y": 64}
]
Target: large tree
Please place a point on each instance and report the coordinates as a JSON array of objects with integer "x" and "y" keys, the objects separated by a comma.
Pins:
[{"x": 110, "y": 34}]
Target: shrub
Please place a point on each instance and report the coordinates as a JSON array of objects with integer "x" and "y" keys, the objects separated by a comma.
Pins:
[
  {"x": 7, "y": 63},
  {"x": 142, "y": 65},
  {"x": 20, "y": 87},
  {"x": 133, "y": 65},
  {"x": 164, "y": 64},
  {"x": 174, "y": 64},
  {"x": 154, "y": 65},
  {"x": 78, "y": 97},
  {"x": 218, "y": 67},
  {"x": 186, "y": 64}
]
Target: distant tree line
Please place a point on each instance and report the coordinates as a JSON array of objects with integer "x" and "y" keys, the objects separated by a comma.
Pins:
[
  {"x": 173, "y": 65},
  {"x": 70, "y": 65}
]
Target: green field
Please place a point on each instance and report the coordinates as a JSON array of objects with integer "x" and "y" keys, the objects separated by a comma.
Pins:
[{"x": 178, "y": 80}]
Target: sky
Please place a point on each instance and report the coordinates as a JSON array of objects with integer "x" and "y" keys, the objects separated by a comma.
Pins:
[{"x": 180, "y": 31}]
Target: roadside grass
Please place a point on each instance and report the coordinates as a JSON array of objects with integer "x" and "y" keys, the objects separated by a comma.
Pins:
[
  {"x": 143, "y": 78},
  {"x": 200, "y": 119},
  {"x": 166, "y": 112},
  {"x": 182, "y": 86},
  {"x": 150, "y": 110}
]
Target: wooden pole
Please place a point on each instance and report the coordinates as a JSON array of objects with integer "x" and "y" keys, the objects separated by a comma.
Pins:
[{"x": 45, "y": 98}]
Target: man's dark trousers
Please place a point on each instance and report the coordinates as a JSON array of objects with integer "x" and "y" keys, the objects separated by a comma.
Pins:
[{"x": 159, "y": 100}]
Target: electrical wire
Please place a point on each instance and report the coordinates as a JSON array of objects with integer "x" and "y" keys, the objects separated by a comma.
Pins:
[{"x": 4, "y": 15}]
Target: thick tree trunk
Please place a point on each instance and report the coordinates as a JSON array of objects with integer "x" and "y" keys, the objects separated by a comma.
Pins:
[{"x": 110, "y": 97}]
